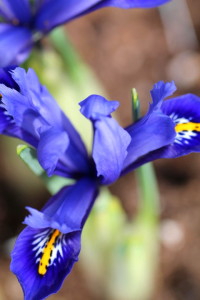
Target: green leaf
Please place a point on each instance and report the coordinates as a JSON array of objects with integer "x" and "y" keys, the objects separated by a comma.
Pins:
[{"x": 29, "y": 157}]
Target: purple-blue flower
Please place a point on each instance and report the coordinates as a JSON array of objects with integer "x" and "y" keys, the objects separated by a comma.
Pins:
[
  {"x": 23, "y": 22},
  {"x": 48, "y": 247}
]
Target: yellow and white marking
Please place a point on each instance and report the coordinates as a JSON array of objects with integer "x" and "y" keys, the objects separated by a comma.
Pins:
[
  {"x": 185, "y": 129},
  {"x": 47, "y": 246},
  {"x": 190, "y": 126},
  {"x": 47, "y": 253}
]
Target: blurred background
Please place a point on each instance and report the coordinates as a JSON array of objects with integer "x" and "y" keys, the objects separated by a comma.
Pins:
[{"x": 126, "y": 49}]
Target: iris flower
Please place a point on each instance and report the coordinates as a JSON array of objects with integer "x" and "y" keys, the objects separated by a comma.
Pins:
[
  {"x": 23, "y": 22},
  {"x": 47, "y": 248}
]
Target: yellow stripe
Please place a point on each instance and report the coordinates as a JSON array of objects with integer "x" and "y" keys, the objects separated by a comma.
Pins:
[
  {"x": 187, "y": 127},
  {"x": 47, "y": 252}
]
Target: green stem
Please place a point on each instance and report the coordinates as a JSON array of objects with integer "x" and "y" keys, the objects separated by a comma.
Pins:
[
  {"x": 148, "y": 188},
  {"x": 146, "y": 226},
  {"x": 148, "y": 191},
  {"x": 71, "y": 59}
]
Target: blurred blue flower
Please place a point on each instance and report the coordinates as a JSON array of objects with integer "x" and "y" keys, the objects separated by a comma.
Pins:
[
  {"x": 48, "y": 247},
  {"x": 23, "y": 22}
]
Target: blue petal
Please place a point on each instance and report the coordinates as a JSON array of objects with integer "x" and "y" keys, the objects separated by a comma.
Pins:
[
  {"x": 40, "y": 100},
  {"x": 41, "y": 270},
  {"x": 95, "y": 105},
  {"x": 130, "y": 3},
  {"x": 110, "y": 139},
  {"x": 17, "y": 11},
  {"x": 35, "y": 100},
  {"x": 47, "y": 249},
  {"x": 8, "y": 126},
  {"x": 53, "y": 13},
  {"x": 4, "y": 121},
  {"x": 55, "y": 149},
  {"x": 13, "y": 108},
  {"x": 68, "y": 209},
  {"x": 109, "y": 149},
  {"x": 6, "y": 10},
  {"x": 41, "y": 220},
  {"x": 185, "y": 113},
  {"x": 21, "y": 38},
  {"x": 34, "y": 112},
  {"x": 154, "y": 130},
  {"x": 6, "y": 78},
  {"x": 53, "y": 144},
  {"x": 38, "y": 219},
  {"x": 160, "y": 91}
]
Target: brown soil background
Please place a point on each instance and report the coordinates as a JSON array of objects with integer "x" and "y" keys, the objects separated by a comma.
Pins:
[{"x": 125, "y": 48}]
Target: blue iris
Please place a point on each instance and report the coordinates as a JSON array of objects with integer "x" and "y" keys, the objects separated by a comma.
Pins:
[
  {"x": 48, "y": 247},
  {"x": 23, "y": 22}
]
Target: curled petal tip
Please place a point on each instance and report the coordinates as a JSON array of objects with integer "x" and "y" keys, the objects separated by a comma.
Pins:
[
  {"x": 95, "y": 106},
  {"x": 160, "y": 91}
]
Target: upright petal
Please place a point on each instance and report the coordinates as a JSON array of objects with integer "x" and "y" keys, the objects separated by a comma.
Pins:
[
  {"x": 160, "y": 91},
  {"x": 13, "y": 107},
  {"x": 7, "y": 124},
  {"x": 33, "y": 111},
  {"x": 20, "y": 37},
  {"x": 96, "y": 105},
  {"x": 109, "y": 149},
  {"x": 110, "y": 139},
  {"x": 46, "y": 250},
  {"x": 53, "y": 144},
  {"x": 41, "y": 101},
  {"x": 154, "y": 130}
]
